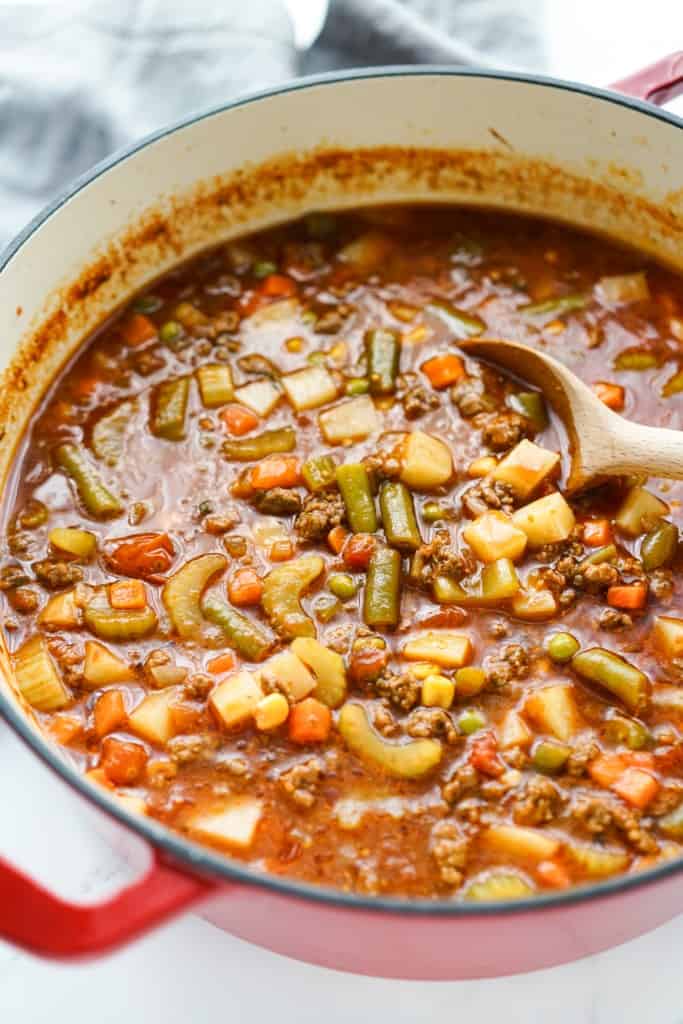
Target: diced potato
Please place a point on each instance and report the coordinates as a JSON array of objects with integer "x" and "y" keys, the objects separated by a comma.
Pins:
[
  {"x": 546, "y": 520},
  {"x": 290, "y": 674},
  {"x": 518, "y": 842},
  {"x": 499, "y": 581},
  {"x": 152, "y": 718},
  {"x": 233, "y": 825},
  {"x": 78, "y": 543},
  {"x": 438, "y": 692},
  {"x": 514, "y": 732},
  {"x": 271, "y": 711},
  {"x": 597, "y": 863},
  {"x": 350, "y": 421},
  {"x": 261, "y": 396},
  {"x": 274, "y": 313},
  {"x": 497, "y": 887},
  {"x": 367, "y": 251},
  {"x": 525, "y": 467},
  {"x": 624, "y": 288},
  {"x": 327, "y": 667},
  {"x": 309, "y": 388},
  {"x": 494, "y": 535},
  {"x": 103, "y": 667},
  {"x": 134, "y": 804},
  {"x": 639, "y": 512},
  {"x": 234, "y": 700},
  {"x": 553, "y": 709},
  {"x": 667, "y": 636},
  {"x": 534, "y": 605},
  {"x": 37, "y": 677},
  {"x": 668, "y": 698},
  {"x": 426, "y": 462},
  {"x": 445, "y": 648},
  {"x": 482, "y": 466},
  {"x": 62, "y": 611}
]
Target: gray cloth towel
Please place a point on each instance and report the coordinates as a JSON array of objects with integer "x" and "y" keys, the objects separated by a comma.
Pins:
[{"x": 81, "y": 79}]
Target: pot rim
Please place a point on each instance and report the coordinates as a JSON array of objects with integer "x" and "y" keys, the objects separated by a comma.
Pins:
[{"x": 204, "y": 860}]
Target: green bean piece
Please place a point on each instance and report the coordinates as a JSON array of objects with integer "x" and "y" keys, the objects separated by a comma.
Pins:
[
  {"x": 398, "y": 516},
  {"x": 319, "y": 472},
  {"x": 98, "y": 500},
  {"x": 460, "y": 323},
  {"x": 628, "y": 731},
  {"x": 357, "y": 386},
  {"x": 247, "y": 638},
  {"x": 263, "y": 268},
  {"x": 671, "y": 824},
  {"x": 383, "y": 350},
  {"x": 638, "y": 359},
  {"x": 446, "y": 591},
  {"x": 605, "y": 554},
  {"x": 471, "y": 720},
  {"x": 617, "y": 675},
  {"x": 250, "y": 449},
  {"x": 550, "y": 756},
  {"x": 555, "y": 307},
  {"x": 382, "y": 601},
  {"x": 561, "y": 647},
  {"x": 674, "y": 385},
  {"x": 432, "y": 512},
  {"x": 342, "y": 586},
  {"x": 659, "y": 546},
  {"x": 531, "y": 405},
  {"x": 170, "y": 409},
  {"x": 354, "y": 484}
]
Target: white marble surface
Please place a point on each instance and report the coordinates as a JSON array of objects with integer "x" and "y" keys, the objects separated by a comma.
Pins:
[{"x": 189, "y": 971}]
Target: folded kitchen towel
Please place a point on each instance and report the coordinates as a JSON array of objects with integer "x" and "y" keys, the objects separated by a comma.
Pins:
[{"x": 80, "y": 79}]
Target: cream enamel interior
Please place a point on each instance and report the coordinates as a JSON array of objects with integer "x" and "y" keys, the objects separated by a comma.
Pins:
[{"x": 535, "y": 147}]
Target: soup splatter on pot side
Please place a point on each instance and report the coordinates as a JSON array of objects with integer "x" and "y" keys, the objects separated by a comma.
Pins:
[{"x": 285, "y": 570}]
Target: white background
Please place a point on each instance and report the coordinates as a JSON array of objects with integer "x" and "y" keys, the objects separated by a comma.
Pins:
[{"x": 190, "y": 973}]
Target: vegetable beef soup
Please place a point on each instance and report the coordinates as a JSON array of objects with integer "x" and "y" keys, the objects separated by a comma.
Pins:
[{"x": 286, "y": 571}]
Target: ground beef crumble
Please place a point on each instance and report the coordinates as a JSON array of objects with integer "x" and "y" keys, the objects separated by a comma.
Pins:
[
  {"x": 301, "y": 781},
  {"x": 278, "y": 501},
  {"x": 449, "y": 849},
  {"x": 461, "y": 781},
  {"x": 487, "y": 494},
  {"x": 320, "y": 514},
  {"x": 432, "y": 723},
  {"x": 511, "y": 663},
  {"x": 400, "y": 688},
  {"x": 503, "y": 430},
  {"x": 57, "y": 575},
  {"x": 440, "y": 557},
  {"x": 538, "y": 802},
  {"x": 597, "y": 814}
]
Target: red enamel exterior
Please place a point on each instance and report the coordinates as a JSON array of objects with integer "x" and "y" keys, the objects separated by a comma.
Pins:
[{"x": 429, "y": 942}]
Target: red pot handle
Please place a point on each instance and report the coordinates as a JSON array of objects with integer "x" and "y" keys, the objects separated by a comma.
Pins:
[
  {"x": 658, "y": 83},
  {"x": 35, "y": 918}
]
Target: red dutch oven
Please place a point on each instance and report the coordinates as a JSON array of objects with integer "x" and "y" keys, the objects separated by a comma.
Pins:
[{"x": 607, "y": 160}]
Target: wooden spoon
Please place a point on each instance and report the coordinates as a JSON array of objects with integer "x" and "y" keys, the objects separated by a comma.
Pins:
[{"x": 601, "y": 443}]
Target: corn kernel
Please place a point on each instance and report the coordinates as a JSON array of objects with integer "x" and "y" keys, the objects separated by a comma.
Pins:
[
  {"x": 271, "y": 711},
  {"x": 422, "y": 669},
  {"x": 294, "y": 344},
  {"x": 418, "y": 335},
  {"x": 469, "y": 681},
  {"x": 555, "y": 327},
  {"x": 438, "y": 692},
  {"x": 482, "y": 467}
]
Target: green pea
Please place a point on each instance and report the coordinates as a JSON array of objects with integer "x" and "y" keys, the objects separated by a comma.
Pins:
[
  {"x": 262, "y": 268},
  {"x": 471, "y": 721},
  {"x": 562, "y": 646},
  {"x": 170, "y": 331},
  {"x": 342, "y": 586},
  {"x": 357, "y": 386},
  {"x": 432, "y": 512}
]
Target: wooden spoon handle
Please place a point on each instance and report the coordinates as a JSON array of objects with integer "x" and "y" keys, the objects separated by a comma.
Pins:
[{"x": 633, "y": 448}]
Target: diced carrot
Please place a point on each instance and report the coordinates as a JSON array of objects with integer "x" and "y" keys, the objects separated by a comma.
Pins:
[
  {"x": 221, "y": 663},
  {"x": 137, "y": 329},
  {"x": 484, "y": 755},
  {"x": 443, "y": 370},
  {"x": 612, "y": 395},
  {"x": 597, "y": 533},
  {"x": 128, "y": 594},
  {"x": 278, "y": 286},
  {"x": 281, "y": 551},
  {"x": 84, "y": 387},
  {"x": 146, "y": 554},
  {"x": 336, "y": 538},
  {"x": 239, "y": 420},
  {"x": 276, "y": 471},
  {"x": 123, "y": 762},
  {"x": 65, "y": 728},
  {"x": 309, "y": 721},
  {"x": 553, "y": 874},
  {"x": 187, "y": 717},
  {"x": 631, "y": 596},
  {"x": 606, "y": 769},
  {"x": 109, "y": 713},
  {"x": 637, "y": 787},
  {"x": 367, "y": 663},
  {"x": 358, "y": 550},
  {"x": 244, "y": 588}
]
